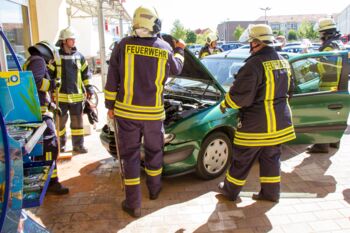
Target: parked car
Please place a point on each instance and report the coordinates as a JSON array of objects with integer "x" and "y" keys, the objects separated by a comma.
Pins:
[
  {"x": 230, "y": 46},
  {"x": 299, "y": 49},
  {"x": 199, "y": 137},
  {"x": 195, "y": 48},
  {"x": 11, "y": 64}
]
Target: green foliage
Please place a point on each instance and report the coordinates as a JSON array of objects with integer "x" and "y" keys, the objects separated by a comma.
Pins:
[
  {"x": 178, "y": 31},
  {"x": 238, "y": 32},
  {"x": 278, "y": 33},
  {"x": 292, "y": 35},
  {"x": 306, "y": 30},
  {"x": 191, "y": 37},
  {"x": 201, "y": 39}
]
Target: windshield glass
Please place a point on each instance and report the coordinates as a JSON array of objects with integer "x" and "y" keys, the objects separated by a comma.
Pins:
[
  {"x": 192, "y": 88},
  {"x": 223, "y": 70}
]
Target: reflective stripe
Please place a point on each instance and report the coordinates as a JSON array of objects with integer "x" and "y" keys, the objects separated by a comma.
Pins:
[
  {"x": 234, "y": 180},
  {"x": 153, "y": 172},
  {"x": 69, "y": 98},
  {"x": 159, "y": 81},
  {"x": 70, "y": 57},
  {"x": 272, "y": 179},
  {"x": 179, "y": 56},
  {"x": 138, "y": 108},
  {"x": 79, "y": 79},
  {"x": 62, "y": 132},
  {"x": 267, "y": 142},
  {"x": 129, "y": 78},
  {"x": 83, "y": 67},
  {"x": 48, "y": 155},
  {"x": 204, "y": 54},
  {"x": 77, "y": 132},
  {"x": 110, "y": 95},
  {"x": 135, "y": 116},
  {"x": 135, "y": 181},
  {"x": 43, "y": 109},
  {"x": 275, "y": 134},
  {"x": 54, "y": 173},
  {"x": 45, "y": 85},
  {"x": 230, "y": 102},
  {"x": 51, "y": 67},
  {"x": 223, "y": 104},
  {"x": 87, "y": 82}
]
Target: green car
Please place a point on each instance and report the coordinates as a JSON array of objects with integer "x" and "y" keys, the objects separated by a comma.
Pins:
[{"x": 199, "y": 137}]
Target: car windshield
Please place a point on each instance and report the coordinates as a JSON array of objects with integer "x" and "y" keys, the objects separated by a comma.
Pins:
[
  {"x": 192, "y": 88},
  {"x": 223, "y": 70}
]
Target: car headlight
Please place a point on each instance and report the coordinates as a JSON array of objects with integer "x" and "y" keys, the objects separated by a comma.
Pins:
[{"x": 168, "y": 137}]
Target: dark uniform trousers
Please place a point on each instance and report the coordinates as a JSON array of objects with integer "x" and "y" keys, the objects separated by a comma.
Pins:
[
  {"x": 130, "y": 133},
  {"x": 76, "y": 123},
  {"x": 50, "y": 144},
  {"x": 243, "y": 160}
]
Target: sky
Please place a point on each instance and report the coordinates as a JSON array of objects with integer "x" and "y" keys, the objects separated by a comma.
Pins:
[{"x": 194, "y": 14}]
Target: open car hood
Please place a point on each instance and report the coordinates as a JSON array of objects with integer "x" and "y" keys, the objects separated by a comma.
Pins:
[{"x": 193, "y": 68}]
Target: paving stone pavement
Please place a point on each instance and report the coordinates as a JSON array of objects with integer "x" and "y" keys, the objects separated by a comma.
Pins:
[{"x": 315, "y": 197}]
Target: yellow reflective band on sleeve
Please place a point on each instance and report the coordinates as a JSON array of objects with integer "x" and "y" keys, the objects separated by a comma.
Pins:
[
  {"x": 87, "y": 82},
  {"x": 146, "y": 51},
  {"x": 230, "y": 102},
  {"x": 266, "y": 142},
  {"x": 234, "y": 180},
  {"x": 223, "y": 104},
  {"x": 110, "y": 95},
  {"x": 77, "y": 132},
  {"x": 153, "y": 172},
  {"x": 159, "y": 81},
  {"x": 83, "y": 67},
  {"x": 129, "y": 78},
  {"x": 272, "y": 179},
  {"x": 179, "y": 56},
  {"x": 43, "y": 109},
  {"x": 48, "y": 155},
  {"x": 45, "y": 85},
  {"x": 51, "y": 67},
  {"x": 62, "y": 132},
  {"x": 135, "y": 181}
]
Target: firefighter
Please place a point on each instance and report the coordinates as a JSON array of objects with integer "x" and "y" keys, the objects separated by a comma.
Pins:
[
  {"x": 42, "y": 54},
  {"x": 139, "y": 67},
  {"x": 260, "y": 93},
  {"x": 73, "y": 70},
  {"x": 330, "y": 40},
  {"x": 281, "y": 42},
  {"x": 211, "y": 46}
]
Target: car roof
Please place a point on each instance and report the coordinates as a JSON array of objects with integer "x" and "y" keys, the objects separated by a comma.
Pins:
[{"x": 242, "y": 54}]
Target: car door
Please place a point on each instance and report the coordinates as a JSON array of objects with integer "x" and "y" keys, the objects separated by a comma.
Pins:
[{"x": 320, "y": 102}]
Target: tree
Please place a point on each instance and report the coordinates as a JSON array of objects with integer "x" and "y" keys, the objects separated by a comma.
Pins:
[
  {"x": 306, "y": 30},
  {"x": 191, "y": 37},
  {"x": 292, "y": 35},
  {"x": 238, "y": 32},
  {"x": 178, "y": 31}
]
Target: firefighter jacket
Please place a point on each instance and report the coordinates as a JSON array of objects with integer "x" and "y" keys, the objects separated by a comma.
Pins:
[
  {"x": 44, "y": 83},
  {"x": 205, "y": 51},
  {"x": 73, "y": 71},
  {"x": 330, "y": 74},
  {"x": 260, "y": 92},
  {"x": 138, "y": 70}
]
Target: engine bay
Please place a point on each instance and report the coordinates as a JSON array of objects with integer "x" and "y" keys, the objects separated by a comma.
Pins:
[{"x": 179, "y": 107}]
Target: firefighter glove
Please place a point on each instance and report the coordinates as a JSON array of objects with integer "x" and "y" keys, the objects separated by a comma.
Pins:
[
  {"x": 222, "y": 109},
  {"x": 53, "y": 108},
  {"x": 91, "y": 112}
]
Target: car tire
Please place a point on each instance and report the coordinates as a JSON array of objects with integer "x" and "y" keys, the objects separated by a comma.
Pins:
[{"x": 214, "y": 156}]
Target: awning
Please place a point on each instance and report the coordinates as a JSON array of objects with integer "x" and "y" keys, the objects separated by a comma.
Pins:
[{"x": 112, "y": 9}]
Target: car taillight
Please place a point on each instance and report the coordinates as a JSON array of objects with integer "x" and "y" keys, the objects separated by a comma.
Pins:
[{"x": 98, "y": 61}]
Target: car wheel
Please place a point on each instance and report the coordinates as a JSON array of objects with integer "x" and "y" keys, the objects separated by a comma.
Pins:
[{"x": 214, "y": 156}]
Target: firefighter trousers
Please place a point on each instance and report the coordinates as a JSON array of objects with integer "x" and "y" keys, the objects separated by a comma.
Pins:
[
  {"x": 242, "y": 161},
  {"x": 76, "y": 123},
  {"x": 130, "y": 133}
]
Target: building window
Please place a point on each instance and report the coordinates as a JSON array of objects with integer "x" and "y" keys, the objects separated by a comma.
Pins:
[{"x": 14, "y": 19}]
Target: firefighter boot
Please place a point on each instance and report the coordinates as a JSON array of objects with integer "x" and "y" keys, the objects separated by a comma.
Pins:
[
  {"x": 260, "y": 197},
  {"x": 154, "y": 196},
  {"x": 80, "y": 150},
  {"x": 132, "y": 212},
  {"x": 223, "y": 191},
  {"x": 57, "y": 188}
]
